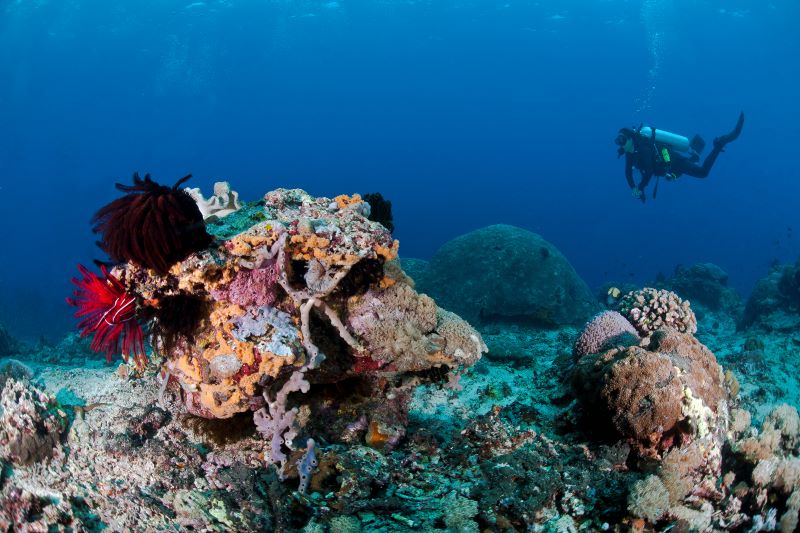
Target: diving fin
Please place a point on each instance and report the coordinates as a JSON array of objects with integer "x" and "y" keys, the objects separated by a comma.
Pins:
[
  {"x": 733, "y": 135},
  {"x": 738, "y": 129}
]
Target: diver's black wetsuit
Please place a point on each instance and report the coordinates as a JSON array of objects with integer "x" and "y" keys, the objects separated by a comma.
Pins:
[{"x": 646, "y": 157}]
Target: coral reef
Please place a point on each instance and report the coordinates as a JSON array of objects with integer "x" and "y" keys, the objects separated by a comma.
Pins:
[
  {"x": 705, "y": 284},
  {"x": 649, "y": 499},
  {"x": 666, "y": 392},
  {"x": 222, "y": 203},
  {"x": 507, "y": 274},
  {"x": 153, "y": 225},
  {"x": 604, "y": 330},
  {"x": 8, "y": 344},
  {"x": 307, "y": 298},
  {"x": 649, "y": 309},
  {"x": 13, "y": 369},
  {"x": 774, "y": 303},
  {"x": 507, "y": 451},
  {"x": 72, "y": 349},
  {"x": 30, "y": 423},
  {"x": 297, "y": 340},
  {"x": 416, "y": 270}
]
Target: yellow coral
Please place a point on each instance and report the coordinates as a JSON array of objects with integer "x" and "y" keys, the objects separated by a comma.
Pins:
[
  {"x": 309, "y": 246},
  {"x": 223, "y": 400},
  {"x": 388, "y": 252},
  {"x": 189, "y": 368},
  {"x": 270, "y": 365},
  {"x": 244, "y": 244},
  {"x": 344, "y": 200}
]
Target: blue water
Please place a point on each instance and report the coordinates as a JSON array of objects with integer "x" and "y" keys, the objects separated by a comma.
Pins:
[{"x": 463, "y": 113}]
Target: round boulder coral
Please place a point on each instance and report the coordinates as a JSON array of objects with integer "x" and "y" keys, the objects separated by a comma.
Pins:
[
  {"x": 705, "y": 284},
  {"x": 502, "y": 273},
  {"x": 665, "y": 394},
  {"x": 605, "y": 330},
  {"x": 650, "y": 309}
]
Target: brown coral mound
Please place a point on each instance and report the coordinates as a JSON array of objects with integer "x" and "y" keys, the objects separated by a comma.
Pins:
[
  {"x": 152, "y": 225},
  {"x": 665, "y": 394}
]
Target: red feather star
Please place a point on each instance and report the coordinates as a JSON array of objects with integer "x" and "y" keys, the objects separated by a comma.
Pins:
[{"x": 108, "y": 311}]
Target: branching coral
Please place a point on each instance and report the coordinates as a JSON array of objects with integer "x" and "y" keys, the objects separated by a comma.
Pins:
[
  {"x": 649, "y": 309},
  {"x": 108, "y": 311},
  {"x": 152, "y": 225},
  {"x": 276, "y": 420}
]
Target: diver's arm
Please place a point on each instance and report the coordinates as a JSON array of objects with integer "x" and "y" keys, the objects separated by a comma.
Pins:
[
  {"x": 646, "y": 176},
  {"x": 629, "y": 172}
]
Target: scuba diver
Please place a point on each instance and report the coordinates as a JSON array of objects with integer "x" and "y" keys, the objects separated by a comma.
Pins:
[{"x": 660, "y": 153}]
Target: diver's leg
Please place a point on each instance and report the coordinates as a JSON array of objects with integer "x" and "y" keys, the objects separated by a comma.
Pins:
[
  {"x": 719, "y": 146},
  {"x": 680, "y": 165}
]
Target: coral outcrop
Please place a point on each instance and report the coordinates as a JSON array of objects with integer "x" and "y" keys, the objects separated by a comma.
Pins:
[
  {"x": 649, "y": 309},
  {"x": 507, "y": 274},
  {"x": 13, "y": 369},
  {"x": 774, "y": 304},
  {"x": 304, "y": 311},
  {"x": 8, "y": 344},
  {"x": 30, "y": 423},
  {"x": 666, "y": 392},
  {"x": 705, "y": 284}
]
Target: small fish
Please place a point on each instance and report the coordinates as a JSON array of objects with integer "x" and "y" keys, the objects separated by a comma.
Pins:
[{"x": 81, "y": 410}]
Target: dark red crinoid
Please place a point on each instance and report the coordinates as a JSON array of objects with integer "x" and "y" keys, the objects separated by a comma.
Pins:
[
  {"x": 153, "y": 225},
  {"x": 108, "y": 311}
]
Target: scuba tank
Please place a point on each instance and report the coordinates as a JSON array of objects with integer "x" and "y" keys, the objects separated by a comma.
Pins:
[{"x": 673, "y": 140}]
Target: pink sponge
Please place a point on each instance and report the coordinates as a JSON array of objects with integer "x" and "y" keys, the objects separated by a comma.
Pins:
[{"x": 604, "y": 331}]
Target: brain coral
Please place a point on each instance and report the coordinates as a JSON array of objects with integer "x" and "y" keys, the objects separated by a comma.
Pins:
[
  {"x": 649, "y": 309},
  {"x": 603, "y": 331}
]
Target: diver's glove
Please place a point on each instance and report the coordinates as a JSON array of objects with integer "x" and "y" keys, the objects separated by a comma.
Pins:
[{"x": 636, "y": 192}]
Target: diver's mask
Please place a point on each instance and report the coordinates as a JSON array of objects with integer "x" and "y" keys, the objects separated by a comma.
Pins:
[{"x": 625, "y": 143}]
